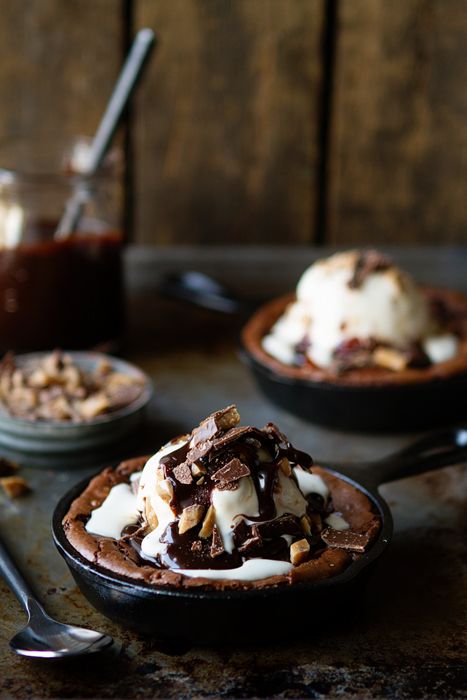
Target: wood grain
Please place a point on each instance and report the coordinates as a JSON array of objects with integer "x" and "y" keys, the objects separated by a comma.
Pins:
[
  {"x": 398, "y": 162},
  {"x": 226, "y": 122},
  {"x": 59, "y": 59}
]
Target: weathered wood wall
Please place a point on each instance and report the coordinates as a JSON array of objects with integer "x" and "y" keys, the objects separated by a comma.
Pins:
[{"x": 262, "y": 121}]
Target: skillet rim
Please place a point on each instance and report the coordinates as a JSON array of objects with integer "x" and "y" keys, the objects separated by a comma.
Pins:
[{"x": 101, "y": 576}]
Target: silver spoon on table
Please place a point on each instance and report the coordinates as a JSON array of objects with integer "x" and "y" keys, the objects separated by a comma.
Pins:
[
  {"x": 122, "y": 91},
  {"x": 44, "y": 637}
]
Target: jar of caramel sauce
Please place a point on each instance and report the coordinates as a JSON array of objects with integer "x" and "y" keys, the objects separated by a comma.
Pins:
[{"x": 54, "y": 292}]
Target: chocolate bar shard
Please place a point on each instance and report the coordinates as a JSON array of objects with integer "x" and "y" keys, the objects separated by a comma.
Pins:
[
  {"x": 213, "y": 424},
  {"x": 234, "y": 434},
  {"x": 251, "y": 546},
  {"x": 367, "y": 262},
  {"x": 285, "y": 525},
  {"x": 232, "y": 471},
  {"x": 198, "y": 451},
  {"x": 345, "y": 539},
  {"x": 217, "y": 545},
  {"x": 183, "y": 473}
]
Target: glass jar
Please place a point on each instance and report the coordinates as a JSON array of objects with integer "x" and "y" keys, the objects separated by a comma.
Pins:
[{"x": 65, "y": 293}]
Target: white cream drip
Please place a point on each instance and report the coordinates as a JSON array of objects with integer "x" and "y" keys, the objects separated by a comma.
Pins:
[
  {"x": 441, "y": 348},
  {"x": 311, "y": 483},
  {"x": 250, "y": 570},
  {"x": 150, "y": 545},
  {"x": 228, "y": 505},
  {"x": 119, "y": 509},
  {"x": 337, "y": 522}
]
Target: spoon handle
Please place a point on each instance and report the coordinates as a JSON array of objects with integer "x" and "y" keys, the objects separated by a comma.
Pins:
[
  {"x": 15, "y": 580},
  {"x": 440, "y": 449},
  {"x": 204, "y": 291},
  {"x": 124, "y": 87}
]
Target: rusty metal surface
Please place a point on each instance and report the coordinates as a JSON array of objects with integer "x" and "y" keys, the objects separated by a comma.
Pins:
[{"x": 407, "y": 637}]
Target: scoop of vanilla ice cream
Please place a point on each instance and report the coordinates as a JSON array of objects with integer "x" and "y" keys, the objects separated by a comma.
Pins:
[
  {"x": 228, "y": 505},
  {"x": 387, "y": 306}
]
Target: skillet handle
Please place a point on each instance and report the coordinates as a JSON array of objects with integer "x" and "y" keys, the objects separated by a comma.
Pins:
[{"x": 440, "y": 449}]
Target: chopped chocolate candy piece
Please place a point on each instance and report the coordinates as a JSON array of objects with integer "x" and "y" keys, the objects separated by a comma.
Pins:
[
  {"x": 220, "y": 420},
  {"x": 7, "y": 467},
  {"x": 232, "y": 471},
  {"x": 285, "y": 467},
  {"x": 353, "y": 353},
  {"x": 190, "y": 517},
  {"x": 208, "y": 523},
  {"x": 165, "y": 490},
  {"x": 234, "y": 434},
  {"x": 198, "y": 451},
  {"x": 389, "y": 358},
  {"x": 15, "y": 486},
  {"x": 150, "y": 515},
  {"x": 251, "y": 546},
  {"x": 217, "y": 546},
  {"x": 306, "y": 525},
  {"x": 285, "y": 525},
  {"x": 367, "y": 262},
  {"x": 183, "y": 473},
  {"x": 197, "y": 470},
  {"x": 345, "y": 539},
  {"x": 196, "y": 546},
  {"x": 241, "y": 531},
  {"x": 299, "y": 551}
]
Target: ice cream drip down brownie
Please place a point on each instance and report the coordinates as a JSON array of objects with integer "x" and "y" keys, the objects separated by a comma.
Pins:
[{"x": 226, "y": 506}]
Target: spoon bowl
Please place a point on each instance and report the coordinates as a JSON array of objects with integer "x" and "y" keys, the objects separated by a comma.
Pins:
[
  {"x": 43, "y": 637},
  {"x": 52, "y": 640}
]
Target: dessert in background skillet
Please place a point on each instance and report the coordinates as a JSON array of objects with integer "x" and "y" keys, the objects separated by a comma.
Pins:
[
  {"x": 225, "y": 507},
  {"x": 357, "y": 319},
  {"x": 362, "y": 346}
]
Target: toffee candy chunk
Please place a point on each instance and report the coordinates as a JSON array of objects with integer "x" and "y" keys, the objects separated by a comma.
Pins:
[{"x": 220, "y": 507}]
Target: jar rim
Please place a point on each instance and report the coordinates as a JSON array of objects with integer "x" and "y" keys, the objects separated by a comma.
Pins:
[{"x": 35, "y": 158}]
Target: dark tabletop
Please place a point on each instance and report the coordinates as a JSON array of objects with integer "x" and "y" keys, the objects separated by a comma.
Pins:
[{"x": 407, "y": 639}]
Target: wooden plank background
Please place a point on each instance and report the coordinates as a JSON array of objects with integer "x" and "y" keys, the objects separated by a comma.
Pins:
[{"x": 261, "y": 121}]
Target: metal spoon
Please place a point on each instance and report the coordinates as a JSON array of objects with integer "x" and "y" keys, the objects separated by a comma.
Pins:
[
  {"x": 44, "y": 637},
  {"x": 123, "y": 89}
]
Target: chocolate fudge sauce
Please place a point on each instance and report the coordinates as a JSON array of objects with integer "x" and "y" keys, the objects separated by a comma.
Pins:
[{"x": 60, "y": 293}]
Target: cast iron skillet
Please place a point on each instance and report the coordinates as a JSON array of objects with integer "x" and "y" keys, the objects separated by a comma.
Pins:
[
  {"x": 397, "y": 407},
  {"x": 216, "y": 617}
]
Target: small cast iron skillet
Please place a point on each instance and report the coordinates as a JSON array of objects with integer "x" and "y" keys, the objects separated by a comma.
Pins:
[
  {"x": 216, "y": 617},
  {"x": 367, "y": 407}
]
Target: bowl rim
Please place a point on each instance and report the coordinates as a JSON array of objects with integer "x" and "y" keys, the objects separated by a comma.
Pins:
[
  {"x": 102, "y": 576},
  {"x": 84, "y": 357}
]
